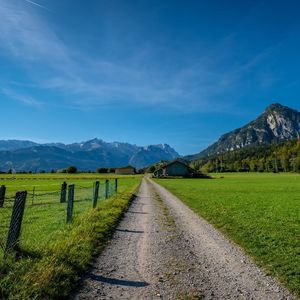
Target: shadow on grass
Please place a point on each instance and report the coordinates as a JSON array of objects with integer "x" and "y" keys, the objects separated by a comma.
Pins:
[{"x": 26, "y": 253}]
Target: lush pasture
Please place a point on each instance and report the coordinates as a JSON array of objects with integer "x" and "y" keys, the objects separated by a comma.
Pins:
[
  {"x": 44, "y": 214},
  {"x": 260, "y": 212},
  {"x": 47, "y": 242},
  {"x": 51, "y": 182}
]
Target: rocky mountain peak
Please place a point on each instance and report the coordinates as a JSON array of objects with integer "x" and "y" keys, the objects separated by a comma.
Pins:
[
  {"x": 276, "y": 124},
  {"x": 275, "y": 107}
]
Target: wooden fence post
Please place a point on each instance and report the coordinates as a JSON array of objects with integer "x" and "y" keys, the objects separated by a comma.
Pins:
[
  {"x": 96, "y": 193},
  {"x": 63, "y": 192},
  {"x": 2, "y": 195},
  {"x": 106, "y": 188},
  {"x": 70, "y": 203},
  {"x": 16, "y": 222},
  {"x": 33, "y": 194},
  {"x": 116, "y": 185}
]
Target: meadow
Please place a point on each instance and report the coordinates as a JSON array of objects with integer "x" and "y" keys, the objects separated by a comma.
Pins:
[
  {"x": 52, "y": 182},
  {"x": 47, "y": 243},
  {"x": 258, "y": 211}
]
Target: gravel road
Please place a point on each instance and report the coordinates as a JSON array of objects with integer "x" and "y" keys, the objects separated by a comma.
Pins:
[{"x": 163, "y": 250}]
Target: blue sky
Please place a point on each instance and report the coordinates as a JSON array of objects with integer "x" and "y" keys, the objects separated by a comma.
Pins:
[{"x": 144, "y": 71}]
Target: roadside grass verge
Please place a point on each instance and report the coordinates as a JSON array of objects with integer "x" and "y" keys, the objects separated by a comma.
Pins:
[
  {"x": 260, "y": 212},
  {"x": 50, "y": 272}
]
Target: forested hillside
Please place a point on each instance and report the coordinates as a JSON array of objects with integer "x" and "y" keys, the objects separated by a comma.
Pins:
[
  {"x": 277, "y": 124},
  {"x": 284, "y": 157}
]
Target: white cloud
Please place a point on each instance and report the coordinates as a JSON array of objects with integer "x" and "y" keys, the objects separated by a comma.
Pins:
[
  {"x": 37, "y": 4},
  {"x": 25, "y": 99},
  {"x": 140, "y": 79},
  {"x": 28, "y": 38}
]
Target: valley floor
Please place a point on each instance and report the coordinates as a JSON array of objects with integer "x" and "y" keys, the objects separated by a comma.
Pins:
[{"x": 162, "y": 249}]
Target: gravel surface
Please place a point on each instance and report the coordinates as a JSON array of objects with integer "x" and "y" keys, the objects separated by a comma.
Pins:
[{"x": 163, "y": 250}]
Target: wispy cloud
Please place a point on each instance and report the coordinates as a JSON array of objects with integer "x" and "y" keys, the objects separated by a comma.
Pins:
[
  {"x": 139, "y": 79},
  {"x": 24, "y": 99},
  {"x": 28, "y": 38},
  {"x": 37, "y": 4}
]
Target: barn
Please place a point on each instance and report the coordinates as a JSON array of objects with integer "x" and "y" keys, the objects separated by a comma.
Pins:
[
  {"x": 129, "y": 170},
  {"x": 177, "y": 167}
]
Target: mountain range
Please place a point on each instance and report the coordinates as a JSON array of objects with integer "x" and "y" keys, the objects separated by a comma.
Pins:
[
  {"x": 276, "y": 124},
  {"x": 30, "y": 156}
]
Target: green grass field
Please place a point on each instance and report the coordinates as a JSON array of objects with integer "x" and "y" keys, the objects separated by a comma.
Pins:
[
  {"x": 51, "y": 182},
  {"x": 260, "y": 212},
  {"x": 45, "y": 234},
  {"x": 44, "y": 214}
]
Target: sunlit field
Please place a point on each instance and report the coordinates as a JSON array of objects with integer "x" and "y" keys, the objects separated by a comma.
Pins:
[
  {"x": 48, "y": 244},
  {"x": 260, "y": 212}
]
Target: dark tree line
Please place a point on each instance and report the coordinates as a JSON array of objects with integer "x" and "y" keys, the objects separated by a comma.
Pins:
[{"x": 283, "y": 157}]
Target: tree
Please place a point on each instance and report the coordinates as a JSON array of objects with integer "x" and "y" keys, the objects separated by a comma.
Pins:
[
  {"x": 102, "y": 170},
  {"x": 295, "y": 162},
  {"x": 152, "y": 169},
  {"x": 71, "y": 169}
]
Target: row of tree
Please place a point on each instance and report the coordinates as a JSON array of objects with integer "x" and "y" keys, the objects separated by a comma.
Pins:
[
  {"x": 69, "y": 170},
  {"x": 283, "y": 157}
]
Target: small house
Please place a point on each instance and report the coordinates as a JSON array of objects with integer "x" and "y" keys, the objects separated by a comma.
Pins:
[
  {"x": 177, "y": 167},
  {"x": 129, "y": 170}
]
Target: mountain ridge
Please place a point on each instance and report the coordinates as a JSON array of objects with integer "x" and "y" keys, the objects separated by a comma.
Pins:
[
  {"x": 86, "y": 155},
  {"x": 277, "y": 123}
]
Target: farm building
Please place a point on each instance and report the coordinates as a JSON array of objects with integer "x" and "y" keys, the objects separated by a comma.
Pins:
[
  {"x": 129, "y": 170},
  {"x": 177, "y": 167}
]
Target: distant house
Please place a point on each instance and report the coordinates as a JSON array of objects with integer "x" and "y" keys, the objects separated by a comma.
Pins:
[
  {"x": 177, "y": 167},
  {"x": 129, "y": 170}
]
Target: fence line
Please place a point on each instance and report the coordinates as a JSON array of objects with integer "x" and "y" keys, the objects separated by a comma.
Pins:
[{"x": 37, "y": 211}]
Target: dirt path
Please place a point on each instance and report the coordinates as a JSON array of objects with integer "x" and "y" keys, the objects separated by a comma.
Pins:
[{"x": 162, "y": 249}]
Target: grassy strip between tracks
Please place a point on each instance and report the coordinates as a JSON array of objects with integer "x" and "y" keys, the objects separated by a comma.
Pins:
[{"x": 51, "y": 273}]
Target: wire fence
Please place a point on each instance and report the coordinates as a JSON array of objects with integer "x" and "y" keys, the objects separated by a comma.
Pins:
[{"x": 44, "y": 213}]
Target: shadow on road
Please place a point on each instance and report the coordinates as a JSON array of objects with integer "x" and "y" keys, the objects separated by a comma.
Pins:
[
  {"x": 137, "y": 212},
  {"x": 130, "y": 231},
  {"x": 118, "y": 281}
]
